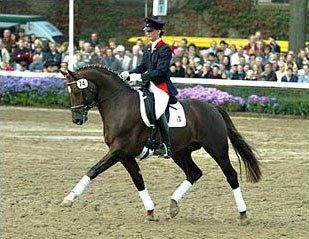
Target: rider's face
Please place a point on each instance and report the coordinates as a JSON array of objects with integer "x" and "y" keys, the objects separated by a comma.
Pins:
[{"x": 152, "y": 35}]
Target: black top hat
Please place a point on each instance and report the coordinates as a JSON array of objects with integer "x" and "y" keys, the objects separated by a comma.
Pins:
[{"x": 152, "y": 24}]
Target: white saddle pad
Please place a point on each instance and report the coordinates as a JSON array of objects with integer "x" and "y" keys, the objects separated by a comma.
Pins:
[{"x": 177, "y": 114}]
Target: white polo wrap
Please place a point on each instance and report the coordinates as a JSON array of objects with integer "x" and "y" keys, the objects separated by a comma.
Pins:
[
  {"x": 148, "y": 204},
  {"x": 181, "y": 190},
  {"x": 240, "y": 203}
]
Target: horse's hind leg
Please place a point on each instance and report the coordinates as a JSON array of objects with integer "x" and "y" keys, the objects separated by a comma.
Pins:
[
  {"x": 222, "y": 158},
  {"x": 133, "y": 169},
  {"x": 184, "y": 160}
]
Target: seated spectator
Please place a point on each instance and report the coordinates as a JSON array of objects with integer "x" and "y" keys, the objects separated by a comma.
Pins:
[
  {"x": 289, "y": 77},
  {"x": 281, "y": 70},
  {"x": 234, "y": 72},
  {"x": 304, "y": 76},
  {"x": 110, "y": 61},
  {"x": 257, "y": 70},
  {"x": 206, "y": 70},
  {"x": 241, "y": 74},
  {"x": 189, "y": 72},
  {"x": 250, "y": 75},
  {"x": 21, "y": 54},
  {"x": 180, "y": 72},
  {"x": 22, "y": 66},
  {"x": 50, "y": 67},
  {"x": 96, "y": 57},
  {"x": 185, "y": 62},
  {"x": 36, "y": 65},
  {"x": 275, "y": 48},
  {"x": 53, "y": 55},
  {"x": 64, "y": 66},
  {"x": 214, "y": 74},
  {"x": 269, "y": 74},
  {"x": 4, "y": 56},
  {"x": 192, "y": 50},
  {"x": 173, "y": 69}
]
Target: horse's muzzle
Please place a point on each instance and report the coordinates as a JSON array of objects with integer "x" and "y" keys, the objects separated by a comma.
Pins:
[{"x": 79, "y": 119}]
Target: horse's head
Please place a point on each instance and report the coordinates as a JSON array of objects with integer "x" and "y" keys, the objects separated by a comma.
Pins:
[{"x": 83, "y": 94}]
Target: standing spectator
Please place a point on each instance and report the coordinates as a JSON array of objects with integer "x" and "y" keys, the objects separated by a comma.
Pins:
[
  {"x": 94, "y": 41},
  {"x": 213, "y": 47},
  {"x": 112, "y": 43},
  {"x": 192, "y": 50},
  {"x": 301, "y": 56},
  {"x": 251, "y": 46},
  {"x": 64, "y": 50},
  {"x": 20, "y": 34},
  {"x": 8, "y": 41},
  {"x": 304, "y": 77},
  {"x": 184, "y": 45},
  {"x": 235, "y": 57},
  {"x": 21, "y": 54},
  {"x": 124, "y": 59},
  {"x": 111, "y": 61},
  {"x": 87, "y": 53},
  {"x": 136, "y": 57},
  {"x": 289, "y": 77},
  {"x": 269, "y": 74},
  {"x": 275, "y": 48},
  {"x": 225, "y": 48},
  {"x": 4, "y": 56}
]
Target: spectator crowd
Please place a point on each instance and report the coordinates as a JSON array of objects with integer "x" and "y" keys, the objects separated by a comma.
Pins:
[{"x": 257, "y": 60}]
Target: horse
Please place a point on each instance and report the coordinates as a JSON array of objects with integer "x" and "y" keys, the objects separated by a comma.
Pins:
[{"x": 208, "y": 127}]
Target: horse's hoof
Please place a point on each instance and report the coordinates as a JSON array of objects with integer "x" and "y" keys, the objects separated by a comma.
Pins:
[
  {"x": 244, "y": 220},
  {"x": 151, "y": 218},
  {"x": 66, "y": 203},
  {"x": 174, "y": 209}
]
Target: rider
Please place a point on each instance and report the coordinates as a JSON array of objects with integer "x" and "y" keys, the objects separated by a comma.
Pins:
[{"x": 155, "y": 68}]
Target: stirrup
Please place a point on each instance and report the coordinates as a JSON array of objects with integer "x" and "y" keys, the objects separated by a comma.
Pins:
[{"x": 163, "y": 151}]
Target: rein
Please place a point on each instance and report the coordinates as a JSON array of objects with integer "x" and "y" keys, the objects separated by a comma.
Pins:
[{"x": 93, "y": 104}]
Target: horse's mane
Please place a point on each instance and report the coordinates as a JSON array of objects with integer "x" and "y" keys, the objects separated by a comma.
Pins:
[{"x": 103, "y": 69}]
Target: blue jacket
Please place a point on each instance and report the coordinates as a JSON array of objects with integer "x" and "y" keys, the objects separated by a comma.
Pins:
[{"x": 155, "y": 66}]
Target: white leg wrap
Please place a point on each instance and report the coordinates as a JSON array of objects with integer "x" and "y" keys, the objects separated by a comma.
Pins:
[
  {"x": 148, "y": 204},
  {"x": 240, "y": 203},
  {"x": 181, "y": 190},
  {"x": 79, "y": 188}
]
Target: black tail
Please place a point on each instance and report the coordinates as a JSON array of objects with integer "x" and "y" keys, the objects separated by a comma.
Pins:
[{"x": 243, "y": 150}]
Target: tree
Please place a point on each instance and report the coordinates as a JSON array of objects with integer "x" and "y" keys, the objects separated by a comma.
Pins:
[{"x": 297, "y": 26}]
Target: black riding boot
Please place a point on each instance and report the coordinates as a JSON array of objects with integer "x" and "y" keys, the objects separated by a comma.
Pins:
[{"x": 165, "y": 148}]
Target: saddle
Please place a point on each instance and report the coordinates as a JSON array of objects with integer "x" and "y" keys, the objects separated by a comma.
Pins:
[{"x": 174, "y": 113}]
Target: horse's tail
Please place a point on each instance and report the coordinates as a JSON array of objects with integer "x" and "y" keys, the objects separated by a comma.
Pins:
[{"x": 243, "y": 150}]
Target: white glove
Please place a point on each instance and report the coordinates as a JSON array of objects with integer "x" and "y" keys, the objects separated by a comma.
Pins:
[
  {"x": 135, "y": 77},
  {"x": 124, "y": 75}
]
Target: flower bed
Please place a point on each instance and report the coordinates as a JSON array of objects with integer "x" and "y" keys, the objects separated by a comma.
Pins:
[{"x": 51, "y": 90}]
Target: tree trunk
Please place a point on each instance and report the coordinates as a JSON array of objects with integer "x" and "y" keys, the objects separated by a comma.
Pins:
[{"x": 297, "y": 25}]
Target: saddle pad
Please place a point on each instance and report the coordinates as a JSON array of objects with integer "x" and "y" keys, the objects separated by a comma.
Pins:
[{"x": 177, "y": 114}]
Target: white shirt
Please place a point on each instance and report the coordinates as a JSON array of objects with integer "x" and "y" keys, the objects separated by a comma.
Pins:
[{"x": 153, "y": 44}]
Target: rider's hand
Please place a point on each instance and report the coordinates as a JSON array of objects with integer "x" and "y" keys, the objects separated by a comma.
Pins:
[
  {"x": 135, "y": 77},
  {"x": 145, "y": 84},
  {"x": 124, "y": 75}
]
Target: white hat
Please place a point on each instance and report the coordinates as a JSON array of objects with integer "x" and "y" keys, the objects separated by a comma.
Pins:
[{"x": 120, "y": 48}]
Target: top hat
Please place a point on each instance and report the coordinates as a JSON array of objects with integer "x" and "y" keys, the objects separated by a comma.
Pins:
[{"x": 152, "y": 24}]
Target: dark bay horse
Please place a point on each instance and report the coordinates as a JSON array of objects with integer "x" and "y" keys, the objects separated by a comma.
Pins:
[{"x": 125, "y": 134}]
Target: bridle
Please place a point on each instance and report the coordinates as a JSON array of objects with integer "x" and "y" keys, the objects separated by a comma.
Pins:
[{"x": 85, "y": 92}]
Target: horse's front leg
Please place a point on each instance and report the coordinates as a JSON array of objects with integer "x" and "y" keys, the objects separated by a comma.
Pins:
[
  {"x": 133, "y": 169},
  {"x": 106, "y": 162}
]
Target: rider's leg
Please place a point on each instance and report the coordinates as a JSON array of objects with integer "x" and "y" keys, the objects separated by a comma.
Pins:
[{"x": 165, "y": 147}]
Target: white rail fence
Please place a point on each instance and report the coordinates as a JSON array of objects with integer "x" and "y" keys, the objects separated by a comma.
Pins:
[{"x": 198, "y": 81}]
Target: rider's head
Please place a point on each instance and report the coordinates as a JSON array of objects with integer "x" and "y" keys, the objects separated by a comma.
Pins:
[{"x": 153, "y": 28}]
